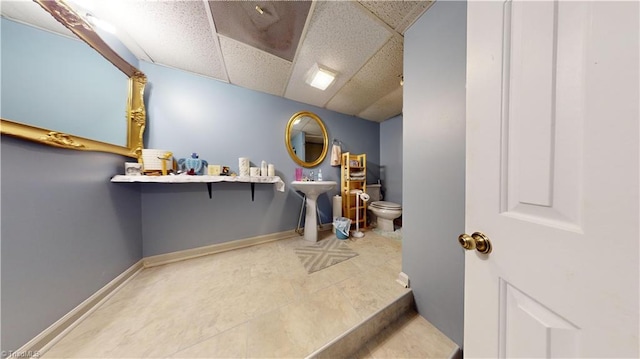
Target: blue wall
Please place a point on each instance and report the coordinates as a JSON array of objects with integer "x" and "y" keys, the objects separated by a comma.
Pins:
[
  {"x": 221, "y": 122},
  {"x": 391, "y": 159},
  {"x": 66, "y": 232},
  {"x": 434, "y": 151}
]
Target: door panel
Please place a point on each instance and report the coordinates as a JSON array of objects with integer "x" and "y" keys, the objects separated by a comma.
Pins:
[
  {"x": 541, "y": 108},
  {"x": 552, "y": 179},
  {"x": 529, "y": 329}
]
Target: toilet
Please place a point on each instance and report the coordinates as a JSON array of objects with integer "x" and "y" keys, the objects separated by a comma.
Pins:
[{"x": 384, "y": 212}]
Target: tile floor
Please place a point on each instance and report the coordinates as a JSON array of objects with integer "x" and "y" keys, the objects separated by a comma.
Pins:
[
  {"x": 411, "y": 336},
  {"x": 252, "y": 302}
]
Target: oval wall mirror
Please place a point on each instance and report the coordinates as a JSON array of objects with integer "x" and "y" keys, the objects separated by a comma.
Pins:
[{"x": 306, "y": 139}]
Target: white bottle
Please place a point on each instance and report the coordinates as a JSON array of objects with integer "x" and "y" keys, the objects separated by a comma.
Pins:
[
  {"x": 319, "y": 174},
  {"x": 263, "y": 169}
]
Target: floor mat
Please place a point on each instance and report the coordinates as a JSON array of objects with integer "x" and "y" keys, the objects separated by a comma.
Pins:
[{"x": 324, "y": 254}]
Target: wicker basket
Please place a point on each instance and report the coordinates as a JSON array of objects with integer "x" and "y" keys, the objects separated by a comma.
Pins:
[{"x": 152, "y": 160}]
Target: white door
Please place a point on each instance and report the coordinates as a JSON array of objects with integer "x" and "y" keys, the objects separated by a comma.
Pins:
[{"x": 552, "y": 179}]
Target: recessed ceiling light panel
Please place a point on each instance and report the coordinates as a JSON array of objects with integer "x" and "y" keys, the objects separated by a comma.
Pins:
[{"x": 319, "y": 77}]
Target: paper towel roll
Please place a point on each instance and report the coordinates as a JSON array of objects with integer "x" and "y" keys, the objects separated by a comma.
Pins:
[
  {"x": 255, "y": 171},
  {"x": 337, "y": 206},
  {"x": 243, "y": 166},
  {"x": 271, "y": 170},
  {"x": 337, "y": 209}
]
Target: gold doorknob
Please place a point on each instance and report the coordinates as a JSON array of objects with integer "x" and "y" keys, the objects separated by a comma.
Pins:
[{"x": 478, "y": 241}]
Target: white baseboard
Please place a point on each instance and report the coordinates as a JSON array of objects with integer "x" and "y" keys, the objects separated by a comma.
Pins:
[
  {"x": 166, "y": 258},
  {"x": 456, "y": 353},
  {"x": 403, "y": 279},
  {"x": 37, "y": 346}
]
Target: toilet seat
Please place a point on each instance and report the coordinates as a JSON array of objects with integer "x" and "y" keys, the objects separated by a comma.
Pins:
[
  {"x": 384, "y": 213},
  {"x": 385, "y": 205}
]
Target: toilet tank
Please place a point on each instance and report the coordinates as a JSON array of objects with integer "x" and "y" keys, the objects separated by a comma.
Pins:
[{"x": 373, "y": 190}]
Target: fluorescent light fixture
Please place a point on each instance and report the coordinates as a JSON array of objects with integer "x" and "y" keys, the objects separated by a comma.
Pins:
[{"x": 320, "y": 78}]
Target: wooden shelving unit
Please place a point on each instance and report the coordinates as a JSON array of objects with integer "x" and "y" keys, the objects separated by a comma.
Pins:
[{"x": 353, "y": 177}]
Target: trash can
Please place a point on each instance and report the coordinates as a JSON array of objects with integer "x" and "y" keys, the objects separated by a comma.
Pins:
[{"x": 342, "y": 226}]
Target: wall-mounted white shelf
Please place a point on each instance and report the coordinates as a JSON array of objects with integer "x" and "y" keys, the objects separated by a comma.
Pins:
[{"x": 275, "y": 180}]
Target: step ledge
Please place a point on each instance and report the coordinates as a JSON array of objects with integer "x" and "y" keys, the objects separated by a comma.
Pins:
[{"x": 352, "y": 340}]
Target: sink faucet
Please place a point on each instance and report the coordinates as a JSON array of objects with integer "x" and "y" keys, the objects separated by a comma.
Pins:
[{"x": 311, "y": 178}]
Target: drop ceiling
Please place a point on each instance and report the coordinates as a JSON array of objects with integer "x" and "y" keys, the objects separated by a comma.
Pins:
[{"x": 267, "y": 46}]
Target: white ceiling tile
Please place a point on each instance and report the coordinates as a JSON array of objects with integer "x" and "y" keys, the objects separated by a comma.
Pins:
[
  {"x": 254, "y": 69},
  {"x": 30, "y": 12},
  {"x": 397, "y": 14},
  {"x": 342, "y": 37},
  {"x": 413, "y": 15},
  {"x": 172, "y": 33},
  {"x": 376, "y": 79},
  {"x": 385, "y": 108}
]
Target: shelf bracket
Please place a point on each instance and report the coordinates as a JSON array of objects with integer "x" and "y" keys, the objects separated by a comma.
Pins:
[{"x": 253, "y": 190}]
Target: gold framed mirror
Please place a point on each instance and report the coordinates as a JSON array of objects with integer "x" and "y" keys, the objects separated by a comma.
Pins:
[
  {"x": 135, "y": 114},
  {"x": 306, "y": 139}
]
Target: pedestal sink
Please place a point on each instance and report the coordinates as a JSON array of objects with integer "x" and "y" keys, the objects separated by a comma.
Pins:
[{"x": 312, "y": 189}]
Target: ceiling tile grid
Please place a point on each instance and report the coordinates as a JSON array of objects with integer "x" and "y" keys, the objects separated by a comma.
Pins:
[
  {"x": 385, "y": 108},
  {"x": 377, "y": 78},
  {"x": 254, "y": 69},
  {"x": 271, "y": 26},
  {"x": 391, "y": 12},
  {"x": 172, "y": 33},
  {"x": 111, "y": 14},
  {"x": 413, "y": 15},
  {"x": 341, "y": 37},
  {"x": 360, "y": 40},
  {"x": 31, "y": 13}
]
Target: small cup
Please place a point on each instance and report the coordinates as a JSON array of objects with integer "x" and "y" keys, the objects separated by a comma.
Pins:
[
  {"x": 254, "y": 171},
  {"x": 298, "y": 174}
]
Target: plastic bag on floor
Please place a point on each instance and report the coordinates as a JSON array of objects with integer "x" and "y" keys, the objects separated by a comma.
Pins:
[{"x": 342, "y": 226}]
